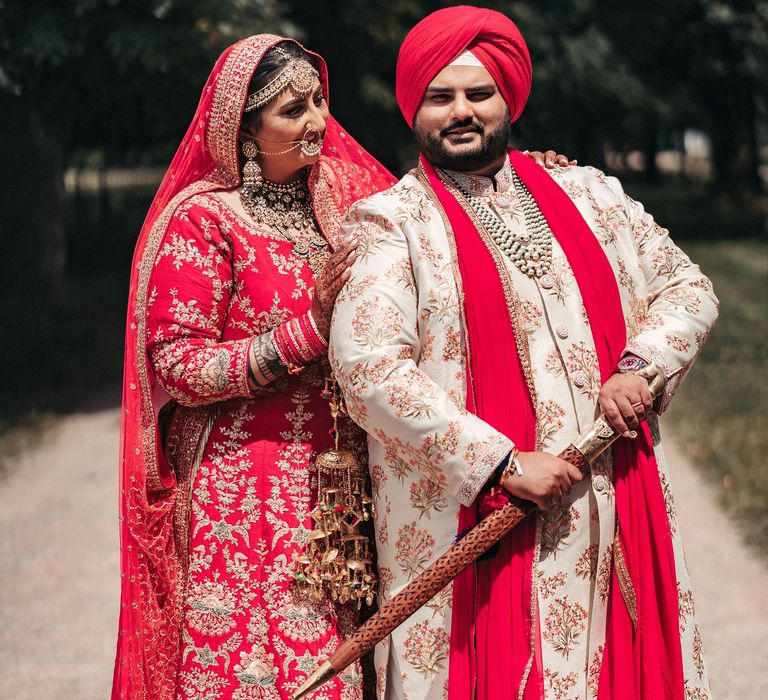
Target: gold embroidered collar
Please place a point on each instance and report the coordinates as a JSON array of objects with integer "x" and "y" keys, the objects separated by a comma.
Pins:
[{"x": 481, "y": 186}]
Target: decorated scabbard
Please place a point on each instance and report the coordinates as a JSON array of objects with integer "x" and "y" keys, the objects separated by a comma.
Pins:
[{"x": 584, "y": 450}]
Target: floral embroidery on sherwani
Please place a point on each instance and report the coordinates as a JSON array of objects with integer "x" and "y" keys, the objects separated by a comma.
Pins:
[
  {"x": 409, "y": 392},
  {"x": 245, "y": 633}
]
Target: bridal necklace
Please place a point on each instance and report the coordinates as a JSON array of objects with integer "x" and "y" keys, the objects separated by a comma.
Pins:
[
  {"x": 287, "y": 208},
  {"x": 281, "y": 205}
]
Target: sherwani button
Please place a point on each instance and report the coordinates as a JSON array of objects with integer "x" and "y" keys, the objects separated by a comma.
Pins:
[
  {"x": 600, "y": 483},
  {"x": 546, "y": 281},
  {"x": 579, "y": 379},
  {"x": 562, "y": 331}
]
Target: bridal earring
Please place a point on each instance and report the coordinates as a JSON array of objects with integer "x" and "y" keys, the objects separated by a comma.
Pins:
[{"x": 251, "y": 170}]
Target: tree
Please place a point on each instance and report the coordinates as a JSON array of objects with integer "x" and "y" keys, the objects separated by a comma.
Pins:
[
  {"x": 729, "y": 69},
  {"x": 118, "y": 76}
]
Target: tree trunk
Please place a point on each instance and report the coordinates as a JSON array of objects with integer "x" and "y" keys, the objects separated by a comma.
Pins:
[
  {"x": 32, "y": 237},
  {"x": 650, "y": 146},
  {"x": 734, "y": 139}
]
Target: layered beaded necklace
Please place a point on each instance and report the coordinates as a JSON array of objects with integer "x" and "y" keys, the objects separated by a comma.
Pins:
[
  {"x": 288, "y": 209},
  {"x": 529, "y": 247}
]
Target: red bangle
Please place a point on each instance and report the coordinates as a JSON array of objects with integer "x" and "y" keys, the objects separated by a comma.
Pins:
[
  {"x": 308, "y": 353},
  {"x": 316, "y": 341},
  {"x": 298, "y": 342},
  {"x": 293, "y": 340},
  {"x": 283, "y": 347}
]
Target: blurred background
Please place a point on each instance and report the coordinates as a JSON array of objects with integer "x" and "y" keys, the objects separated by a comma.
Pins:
[{"x": 95, "y": 95}]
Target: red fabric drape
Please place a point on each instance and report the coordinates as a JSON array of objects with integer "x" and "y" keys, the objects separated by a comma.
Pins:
[
  {"x": 645, "y": 664},
  {"x": 207, "y": 159},
  {"x": 505, "y": 403}
]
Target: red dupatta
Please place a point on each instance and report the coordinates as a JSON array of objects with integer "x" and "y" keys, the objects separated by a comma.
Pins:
[
  {"x": 488, "y": 659},
  {"x": 148, "y": 647}
]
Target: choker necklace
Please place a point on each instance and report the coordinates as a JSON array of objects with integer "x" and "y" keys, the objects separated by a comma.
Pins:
[
  {"x": 284, "y": 206},
  {"x": 287, "y": 208},
  {"x": 529, "y": 247}
]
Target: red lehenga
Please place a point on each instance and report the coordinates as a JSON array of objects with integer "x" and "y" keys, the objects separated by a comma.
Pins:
[{"x": 217, "y": 481}]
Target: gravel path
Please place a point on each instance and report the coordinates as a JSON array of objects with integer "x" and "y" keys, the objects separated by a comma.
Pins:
[{"x": 59, "y": 577}]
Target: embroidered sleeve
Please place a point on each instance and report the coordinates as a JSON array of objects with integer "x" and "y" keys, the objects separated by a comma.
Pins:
[
  {"x": 374, "y": 340},
  {"x": 670, "y": 324},
  {"x": 189, "y": 294}
]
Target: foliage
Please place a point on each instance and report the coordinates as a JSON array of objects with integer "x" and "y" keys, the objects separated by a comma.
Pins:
[
  {"x": 116, "y": 74},
  {"x": 102, "y": 80},
  {"x": 604, "y": 70}
]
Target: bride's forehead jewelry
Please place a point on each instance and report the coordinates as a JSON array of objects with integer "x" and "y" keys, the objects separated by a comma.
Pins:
[{"x": 300, "y": 75}]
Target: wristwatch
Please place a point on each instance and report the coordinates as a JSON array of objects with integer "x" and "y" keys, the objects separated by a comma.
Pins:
[{"x": 631, "y": 363}]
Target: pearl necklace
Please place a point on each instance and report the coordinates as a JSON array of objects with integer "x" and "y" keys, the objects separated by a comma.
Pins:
[{"x": 529, "y": 247}]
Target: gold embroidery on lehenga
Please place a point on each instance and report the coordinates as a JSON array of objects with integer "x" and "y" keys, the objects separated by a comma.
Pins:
[
  {"x": 214, "y": 601},
  {"x": 186, "y": 442},
  {"x": 144, "y": 267}
]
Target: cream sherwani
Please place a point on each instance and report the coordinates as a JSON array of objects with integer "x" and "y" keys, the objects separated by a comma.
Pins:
[{"x": 398, "y": 350}]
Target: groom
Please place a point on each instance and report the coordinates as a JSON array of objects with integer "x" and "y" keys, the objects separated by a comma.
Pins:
[{"x": 493, "y": 311}]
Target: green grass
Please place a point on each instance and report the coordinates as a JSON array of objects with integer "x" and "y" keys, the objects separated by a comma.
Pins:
[{"x": 719, "y": 414}]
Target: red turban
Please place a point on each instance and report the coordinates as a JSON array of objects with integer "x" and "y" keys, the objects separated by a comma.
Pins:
[{"x": 440, "y": 37}]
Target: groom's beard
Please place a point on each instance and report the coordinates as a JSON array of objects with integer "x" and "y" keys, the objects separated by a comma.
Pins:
[{"x": 493, "y": 146}]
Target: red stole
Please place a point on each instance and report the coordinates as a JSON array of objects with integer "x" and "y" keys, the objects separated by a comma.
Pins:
[{"x": 495, "y": 640}]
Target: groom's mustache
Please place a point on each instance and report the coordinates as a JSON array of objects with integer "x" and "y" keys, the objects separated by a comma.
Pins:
[{"x": 465, "y": 125}]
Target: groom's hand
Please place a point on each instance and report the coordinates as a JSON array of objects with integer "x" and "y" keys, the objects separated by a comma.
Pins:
[
  {"x": 626, "y": 400},
  {"x": 546, "y": 479}
]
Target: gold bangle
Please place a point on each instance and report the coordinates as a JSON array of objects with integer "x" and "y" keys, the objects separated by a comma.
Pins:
[{"x": 513, "y": 466}]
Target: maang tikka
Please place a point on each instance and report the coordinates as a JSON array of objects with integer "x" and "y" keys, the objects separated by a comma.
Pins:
[{"x": 338, "y": 558}]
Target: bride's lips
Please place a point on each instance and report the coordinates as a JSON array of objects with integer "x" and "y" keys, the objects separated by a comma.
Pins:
[{"x": 313, "y": 137}]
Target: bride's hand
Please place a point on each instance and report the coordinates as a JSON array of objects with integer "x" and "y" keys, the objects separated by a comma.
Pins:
[
  {"x": 550, "y": 159},
  {"x": 328, "y": 284}
]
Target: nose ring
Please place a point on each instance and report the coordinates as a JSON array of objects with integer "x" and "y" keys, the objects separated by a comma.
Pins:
[{"x": 311, "y": 149}]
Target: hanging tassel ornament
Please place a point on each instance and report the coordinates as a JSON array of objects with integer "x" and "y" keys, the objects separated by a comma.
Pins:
[{"x": 338, "y": 561}]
